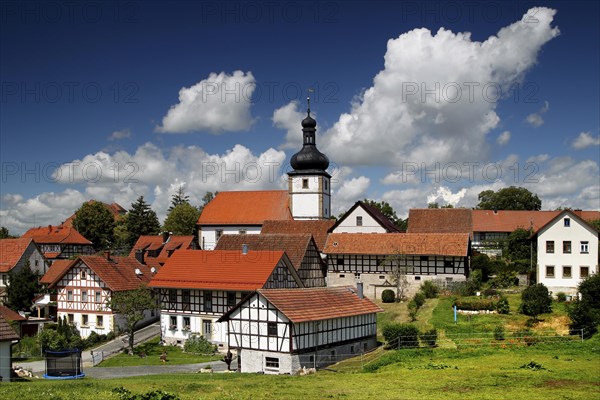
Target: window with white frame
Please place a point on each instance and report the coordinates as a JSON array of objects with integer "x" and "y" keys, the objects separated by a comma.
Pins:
[
  {"x": 84, "y": 297},
  {"x": 98, "y": 297},
  {"x": 359, "y": 221},
  {"x": 186, "y": 323},
  {"x": 567, "y": 247},
  {"x": 172, "y": 322},
  {"x": 585, "y": 247},
  {"x": 207, "y": 328},
  {"x": 99, "y": 321},
  {"x": 85, "y": 320},
  {"x": 69, "y": 295}
]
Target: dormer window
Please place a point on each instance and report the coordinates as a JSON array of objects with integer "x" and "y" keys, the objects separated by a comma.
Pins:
[{"x": 567, "y": 222}]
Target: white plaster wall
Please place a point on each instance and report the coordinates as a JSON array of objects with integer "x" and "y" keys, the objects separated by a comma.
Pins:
[
  {"x": 313, "y": 202},
  {"x": 576, "y": 233},
  {"x": 179, "y": 335},
  {"x": 372, "y": 283},
  {"x": 369, "y": 225},
  {"x": 254, "y": 361},
  {"x": 208, "y": 234},
  {"x": 5, "y": 361}
]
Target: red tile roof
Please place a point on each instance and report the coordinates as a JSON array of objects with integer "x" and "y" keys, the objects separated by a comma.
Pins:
[
  {"x": 318, "y": 228},
  {"x": 443, "y": 244},
  {"x": 508, "y": 221},
  {"x": 246, "y": 208},
  {"x": 11, "y": 315},
  {"x": 154, "y": 242},
  {"x": 217, "y": 270},
  {"x": 55, "y": 235},
  {"x": 118, "y": 273},
  {"x": 317, "y": 304},
  {"x": 11, "y": 251},
  {"x": 56, "y": 271},
  {"x": 115, "y": 209},
  {"x": 374, "y": 212},
  {"x": 440, "y": 220},
  {"x": 576, "y": 215},
  {"x": 295, "y": 246},
  {"x": 7, "y": 333}
]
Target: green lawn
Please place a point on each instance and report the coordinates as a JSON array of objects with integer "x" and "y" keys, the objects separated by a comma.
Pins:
[
  {"x": 152, "y": 351},
  {"x": 567, "y": 369}
]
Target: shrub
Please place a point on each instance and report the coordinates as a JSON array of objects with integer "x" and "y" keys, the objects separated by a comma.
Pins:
[
  {"x": 502, "y": 306},
  {"x": 198, "y": 345},
  {"x": 400, "y": 336},
  {"x": 536, "y": 300},
  {"x": 388, "y": 296},
  {"x": 467, "y": 288},
  {"x": 429, "y": 337},
  {"x": 430, "y": 289},
  {"x": 408, "y": 336},
  {"x": 489, "y": 292},
  {"x": 561, "y": 297},
  {"x": 412, "y": 310},
  {"x": 419, "y": 299},
  {"x": 585, "y": 312},
  {"x": 499, "y": 333},
  {"x": 505, "y": 279},
  {"x": 475, "y": 305}
]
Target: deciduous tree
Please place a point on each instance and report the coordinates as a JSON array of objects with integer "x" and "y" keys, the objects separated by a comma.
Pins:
[
  {"x": 131, "y": 304},
  {"x": 95, "y": 223},
  {"x": 536, "y": 300},
  {"x": 182, "y": 219},
  {"x": 510, "y": 198}
]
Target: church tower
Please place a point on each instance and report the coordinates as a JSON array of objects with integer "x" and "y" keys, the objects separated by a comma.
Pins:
[{"x": 309, "y": 182}]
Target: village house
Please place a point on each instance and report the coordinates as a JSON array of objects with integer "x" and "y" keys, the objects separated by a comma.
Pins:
[
  {"x": 196, "y": 287},
  {"x": 8, "y": 337},
  {"x": 59, "y": 242},
  {"x": 308, "y": 197},
  {"x": 85, "y": 285},
  {"x": 300, "y": 248},
  {"x": 488, "y": 228},
  {"x": 372, "y": 258},
  {"x": 14, "y": 255},
  {"x": 567, "y": 252},
  {"x": 364, "y": 218},
  {"x": 280, "y": 331},
  {"x": 154, "y": 251}
]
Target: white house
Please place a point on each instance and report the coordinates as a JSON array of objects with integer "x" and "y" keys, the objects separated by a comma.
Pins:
[
  {"x": 86, "y": 284},
  {"x": 279, "y": 331},
  {"x": 364, "y": 218},
  {"x": 196, "y": 287},
  {"x": 371, "y": 258},
  {"x": 14, "y": 255},
  {"x": 567, "y": 252}
]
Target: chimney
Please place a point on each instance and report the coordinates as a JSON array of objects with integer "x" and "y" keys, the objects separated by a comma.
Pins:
[
  {"x": 359, "y": 290},
  {"x": 139, "y": 256},
  {"x": 165, "y": 236},
  {"x": 107, "y": 255},
  {"x": 244, "y": 249}
]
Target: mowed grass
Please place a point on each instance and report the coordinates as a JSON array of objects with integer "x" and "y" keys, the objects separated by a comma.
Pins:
[
  {"x": 152, "y": 351},
  {"x": 568, "y": 369}
]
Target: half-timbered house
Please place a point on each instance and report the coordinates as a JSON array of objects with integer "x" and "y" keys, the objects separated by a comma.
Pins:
[
  {"x": 85, "y": 287},
  {"x": 197, "y": 287},
  {"x": 279, "y": 331},
  {"x": 60, "y": 242},
  {"x": 300, "y": 248},
  {"x": 372, "y": 258},
  {"x": 14, "y": 255}
]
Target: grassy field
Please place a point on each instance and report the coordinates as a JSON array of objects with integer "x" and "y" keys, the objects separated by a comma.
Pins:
[
  {"x": 152, "y": 351},
  {"x": 567, "y": 369}
]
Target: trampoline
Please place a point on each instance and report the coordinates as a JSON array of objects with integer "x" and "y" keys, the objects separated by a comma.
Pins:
[{"x": 65, "y": 364}]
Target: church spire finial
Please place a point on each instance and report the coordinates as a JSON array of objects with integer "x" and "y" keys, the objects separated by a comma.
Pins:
[{"x": 310, "y": 90}]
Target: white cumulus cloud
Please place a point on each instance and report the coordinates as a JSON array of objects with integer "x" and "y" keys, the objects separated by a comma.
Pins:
[
  {"x": 436, "y": 97},
  {"x": 535, "y": 119},
  {"x": 585, "y": 139},
  {"x": 503, "y": 138},
  {"x": 217, "y": 104},
  {"x": 120, "y": 134},
  {"x": 289, "y": 119}
]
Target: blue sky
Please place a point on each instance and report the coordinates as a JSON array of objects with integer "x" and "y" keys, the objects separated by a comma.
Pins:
[{"x": 138, "y": 86}]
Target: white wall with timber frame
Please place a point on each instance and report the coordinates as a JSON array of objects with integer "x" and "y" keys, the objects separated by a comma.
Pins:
[
  {"x": 210, "y": 234},
  {"x": 82, "y": 298},
  {"x": 267, "y": 341}
]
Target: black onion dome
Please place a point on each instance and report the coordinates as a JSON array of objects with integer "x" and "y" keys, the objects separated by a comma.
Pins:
[
  {"x": 309, "y": 122},
  {"x": 309, "y": 158}
]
